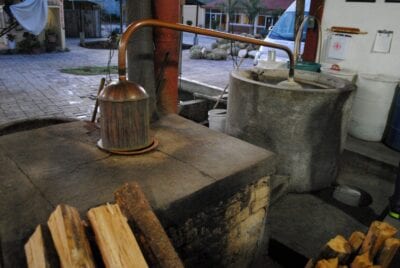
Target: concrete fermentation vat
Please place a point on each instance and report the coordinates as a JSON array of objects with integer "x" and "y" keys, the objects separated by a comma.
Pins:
[{"x": 303, "y": 126}]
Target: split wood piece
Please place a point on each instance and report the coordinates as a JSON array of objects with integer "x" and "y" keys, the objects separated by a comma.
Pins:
[
  {"x": 377, "y": 234},
  {"x": 356, "y": 240},
  {"x": 68, "y": 233},
  {"x": 362, "y": 261},
  {"x": 331, "y": 263},
  {"x": 336, "y": 247},
  {"x": 115, "y": 239},
  {"x": 390, "y": 254},
  {"x": 147, "y": 227},
  {"x": 39, "y": 249},
  {"x": 310, "y": 264}
]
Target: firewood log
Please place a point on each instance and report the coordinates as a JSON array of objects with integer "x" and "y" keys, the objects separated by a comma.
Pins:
[
  {"x": 310, "y": 264},
  {"x": 362, "y": 261},
  {"x": 377, "y": 234},
  {"x": 356, "y": 239},
  {"x": 68, "y": 233},
  {"x": 331, "y": 263},
  {"x": 39, "y": 249},
  {"x": 336, "y": 247},
  {"x": 147, "y": 227},
  {"x": 115, "y": 239},
  {"x": 390, "y": 253}
]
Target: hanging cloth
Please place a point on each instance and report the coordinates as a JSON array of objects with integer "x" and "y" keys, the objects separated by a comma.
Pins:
[{"x": 31, "y": 15}]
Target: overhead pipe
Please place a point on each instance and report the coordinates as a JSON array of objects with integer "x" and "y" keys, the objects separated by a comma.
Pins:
[{"x": 133, "y": 27}]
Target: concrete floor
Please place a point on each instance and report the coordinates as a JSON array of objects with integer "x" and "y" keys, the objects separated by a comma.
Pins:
[{"x": 301, "y": 224}]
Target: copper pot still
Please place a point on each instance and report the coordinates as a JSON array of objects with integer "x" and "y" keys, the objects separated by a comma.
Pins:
[
  {"x": 124, "y": 105},
  {"x": 125, "y": 119}
]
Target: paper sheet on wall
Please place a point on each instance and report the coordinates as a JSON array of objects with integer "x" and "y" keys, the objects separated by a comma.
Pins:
[
  {"x": 338, "y": 46},
  {"x": 383, "y": 41}
]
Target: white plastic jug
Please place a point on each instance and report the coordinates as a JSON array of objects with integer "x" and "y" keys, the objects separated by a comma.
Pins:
[{"x": 371, "y": 106}]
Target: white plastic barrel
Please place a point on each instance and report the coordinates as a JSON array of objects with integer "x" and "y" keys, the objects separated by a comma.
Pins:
[
  {"x": 371, "y": 106},
  {"x": 217, "y": 119}
]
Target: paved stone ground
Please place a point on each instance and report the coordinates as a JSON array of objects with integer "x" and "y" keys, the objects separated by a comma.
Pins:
[{"x": 31, "y": 86}]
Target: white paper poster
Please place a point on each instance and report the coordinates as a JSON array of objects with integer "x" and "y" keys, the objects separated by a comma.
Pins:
[{"x": 338, "y": 46}]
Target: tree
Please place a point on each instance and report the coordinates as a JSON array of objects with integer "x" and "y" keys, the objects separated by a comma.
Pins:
[
  {"x": 230, "y": 7},
  {"x": 252, "y": 8}
]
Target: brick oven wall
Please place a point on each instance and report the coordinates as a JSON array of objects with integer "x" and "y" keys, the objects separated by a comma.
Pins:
[{"x": 226, "y": 233}]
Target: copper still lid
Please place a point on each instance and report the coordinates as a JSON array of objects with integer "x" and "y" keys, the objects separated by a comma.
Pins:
[{"x": 121, "y": 91}]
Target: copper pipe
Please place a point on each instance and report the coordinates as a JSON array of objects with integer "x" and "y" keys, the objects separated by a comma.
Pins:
[{"x": 133, "y": 27}]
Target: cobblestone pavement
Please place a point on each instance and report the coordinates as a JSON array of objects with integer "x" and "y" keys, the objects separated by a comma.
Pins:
[{"x": 31, "y": 86}]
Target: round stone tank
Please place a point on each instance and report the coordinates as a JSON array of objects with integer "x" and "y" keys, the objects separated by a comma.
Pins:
[{"x": 305, "y": 127}]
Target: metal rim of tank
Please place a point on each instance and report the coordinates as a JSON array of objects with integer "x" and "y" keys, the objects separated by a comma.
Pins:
[{"x": 329, "y": 84}]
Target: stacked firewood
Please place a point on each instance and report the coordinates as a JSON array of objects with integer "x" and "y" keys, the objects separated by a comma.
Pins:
[
  {"x": 378, "y": 248},
  {"x": 107, "y": 239}
]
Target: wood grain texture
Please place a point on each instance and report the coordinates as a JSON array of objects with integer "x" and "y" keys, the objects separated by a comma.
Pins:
[
  {"x": 68, "y": 233},
  {"x": 356, "y": 240},
  {"x": 331, "y": 263},
  {"x": 115, "y": 239},
  {"x": 337, "y": 247},
  {"x": 137, "y": 209},
  {"x": 388, "y": 253},
  {"x": 35, "y": 250},
  {"x": 378, "y": 232},
  {"x": 362, "y": 261}
]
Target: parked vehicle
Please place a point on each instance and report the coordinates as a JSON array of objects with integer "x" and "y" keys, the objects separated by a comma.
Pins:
[{"x": 283, "y": 33}]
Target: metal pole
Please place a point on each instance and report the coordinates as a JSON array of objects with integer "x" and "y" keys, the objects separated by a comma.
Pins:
[{"x": 196, "y": 40}]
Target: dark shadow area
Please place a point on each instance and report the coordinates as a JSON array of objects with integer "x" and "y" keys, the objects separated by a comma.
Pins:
[
  {"x": 365, "y": 215},
  {"x": 285, "y": 256},
  {"x": 30, "y": 124}
]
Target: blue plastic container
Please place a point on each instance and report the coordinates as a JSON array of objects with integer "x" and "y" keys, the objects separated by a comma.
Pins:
[{"x": 392, "y": 137}]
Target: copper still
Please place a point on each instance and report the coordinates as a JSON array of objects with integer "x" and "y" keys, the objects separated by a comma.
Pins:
[
  {"x": 124, "y": 105},
  {"x": 125, "y": 121}
]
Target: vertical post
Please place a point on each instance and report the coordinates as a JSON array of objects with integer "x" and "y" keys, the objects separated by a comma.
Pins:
[
  {"x": 311, "y": 45},
  {"x": 120, "y": 17},
  {"x": 140, "y": 51},
  {"x": 299, "y": 16},
  {"x": 166, "y": 54},
  {"x": 196, "y": 40},
  {"x": 62, "y": 24}
]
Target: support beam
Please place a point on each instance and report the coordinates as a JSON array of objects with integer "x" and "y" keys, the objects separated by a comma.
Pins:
[{"x": 311, "y": 44}]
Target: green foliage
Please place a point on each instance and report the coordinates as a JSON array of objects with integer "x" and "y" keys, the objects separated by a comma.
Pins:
[
  {"x": 29, "y": 44},
  {"x": 10, "y": 37},
  {"x": 252, "y": 8}
]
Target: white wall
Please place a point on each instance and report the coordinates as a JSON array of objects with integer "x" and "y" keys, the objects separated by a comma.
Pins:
[
  {"x": 189, "y": 13},
  {"x": 369, "y": 17}
]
